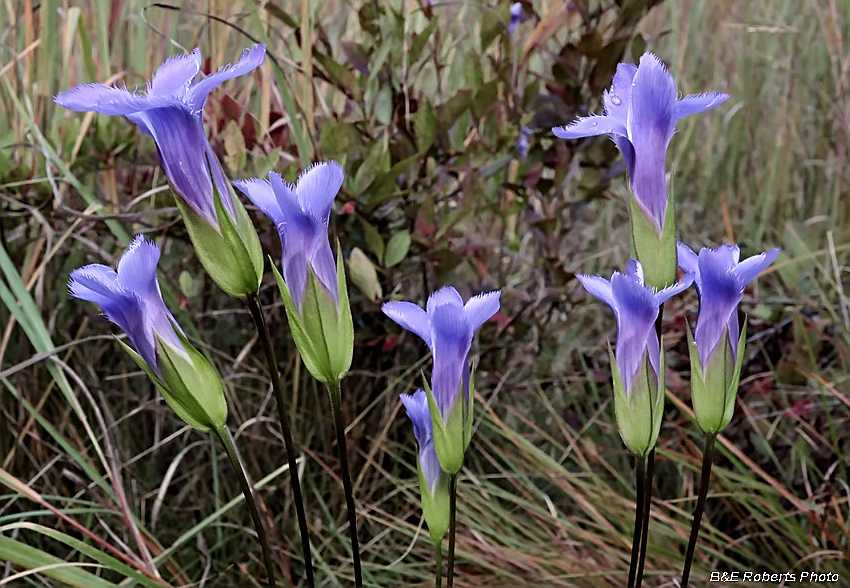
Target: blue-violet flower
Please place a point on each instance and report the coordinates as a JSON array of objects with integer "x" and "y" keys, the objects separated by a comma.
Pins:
[
  {"x": 432, "y": 481},
  {"x": 447, "y": 326},
  {"x": 313, "y": 284},
  {"x": 638, "y": 363},
  {"x": 716, "y": 357},
  {"x": 171, "y": 112},
  {"x": 131, "y": 299}
]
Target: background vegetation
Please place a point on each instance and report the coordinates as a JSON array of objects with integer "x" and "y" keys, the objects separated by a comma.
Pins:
[{"x": 423, "y": 104}]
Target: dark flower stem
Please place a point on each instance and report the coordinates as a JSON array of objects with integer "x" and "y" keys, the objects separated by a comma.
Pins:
[
  {"x": 233, "y": 454},
  {"x": 647, "y": 502},
  {"x": 438, "y": 549},
  {"x": 704, "y": 478},
  {"x": 640, "y": 486},
  {"x": 256, "y": 311},
  {"x": 452, "y": 525},
  {"x": 336, "y": 410}
]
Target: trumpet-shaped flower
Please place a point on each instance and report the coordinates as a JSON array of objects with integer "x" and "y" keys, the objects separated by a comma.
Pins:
[
  {"x": 720, "y": 280},
  {"x": 416, "y": 406},
  {"x": 131, "y": 299},
  {"x": 171, "y": 112},
  {"x": 641, "y": 112},
  {"x": 716, "y": 357},
  {"x": 447, "y": 326},
  {"x": 433, "y": 483},
  {"x": 638, "y": 363},
  {"x": 516, "y": 18},
  {"x": 313, "y": 284},
  {"x": 301, "y": 213},
  {"x": 635, "y": 307}
]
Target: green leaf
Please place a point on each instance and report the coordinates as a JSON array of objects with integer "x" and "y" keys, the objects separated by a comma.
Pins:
[
  {"x": 425, "y": 125},
  {"x": 419, "y": 42},
  {"x": 450, "y": 111},
  {"x": 373, "y": 238},
  {"x": 189, "y": 286},
  {"x": 363, "y": 274},
  {"x": 234, "y": 146},
  {"x": 397, "y": 248}
]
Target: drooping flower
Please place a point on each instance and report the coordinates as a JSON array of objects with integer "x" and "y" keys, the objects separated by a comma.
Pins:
[
  {"x": 447, "y": 326},
  {"x": 301, "y": 213},
  {"x": 313, "y": 284},
  {"x": 131, "y": 299},
  {"x": 641, "y": 112},
  {"x": 433, "y": 483},
  {"x": 638, "y": 362},
  {"x": 171, "y": 112},
  {"x": 716, "y": 357}
]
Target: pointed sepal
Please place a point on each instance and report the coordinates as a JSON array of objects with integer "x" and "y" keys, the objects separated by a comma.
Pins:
[
  {"x": 653, "y": 246},
  {"x": 189, "y": 384},
  {"x": 323, "y": 331},
  {"x": 448, "y": 434},
  {"x": 640, "y": 410},
  {"x": 231, "y": 252},
  {"x": 714, "y": 388},
  {"x": 435, "y": 505}
]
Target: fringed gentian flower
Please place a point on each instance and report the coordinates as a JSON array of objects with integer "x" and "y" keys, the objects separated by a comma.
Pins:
[
  {"x": 522, "y": 142},
  {"x": 641, "y": 112},
  {"x": 313, "y": 284},
  {"x": 171, "y": 112},
  {"x": 433, "y": 483},
  {"x": 447, "y": 327},
  {"x": 131, "y": 299},
  {"x": 638, "y": 364},
  {"x": 516, "y": 17},
  {"x": 716, "y": 346}
]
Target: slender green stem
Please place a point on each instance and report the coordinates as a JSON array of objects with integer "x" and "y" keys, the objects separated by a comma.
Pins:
[
  {"x": 704, "y": 477},
  {"x": 256, "y": 311},
  {"x": 336, "y": 409},
  {"x": 233, "y": 454},
  {"x": 452, "y": 525},
  {"x": 438, "y": 549},
  {"x": 647, "y": 503},
  {"x": 640, "y": 486}
]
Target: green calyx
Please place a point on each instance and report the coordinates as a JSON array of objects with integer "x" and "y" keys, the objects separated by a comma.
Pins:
[
  {"x": 640, "y": 411},
  {"x": 450, "y": 436},
  {"x": 435, "y": 505},
  {"x": 714, "y": 388},
  {"x": 323, "y": 331},
  {"x": 656, "y": 251},
  {"x": 189, "y": 384},
  {"x": 231, "y": 252}
]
